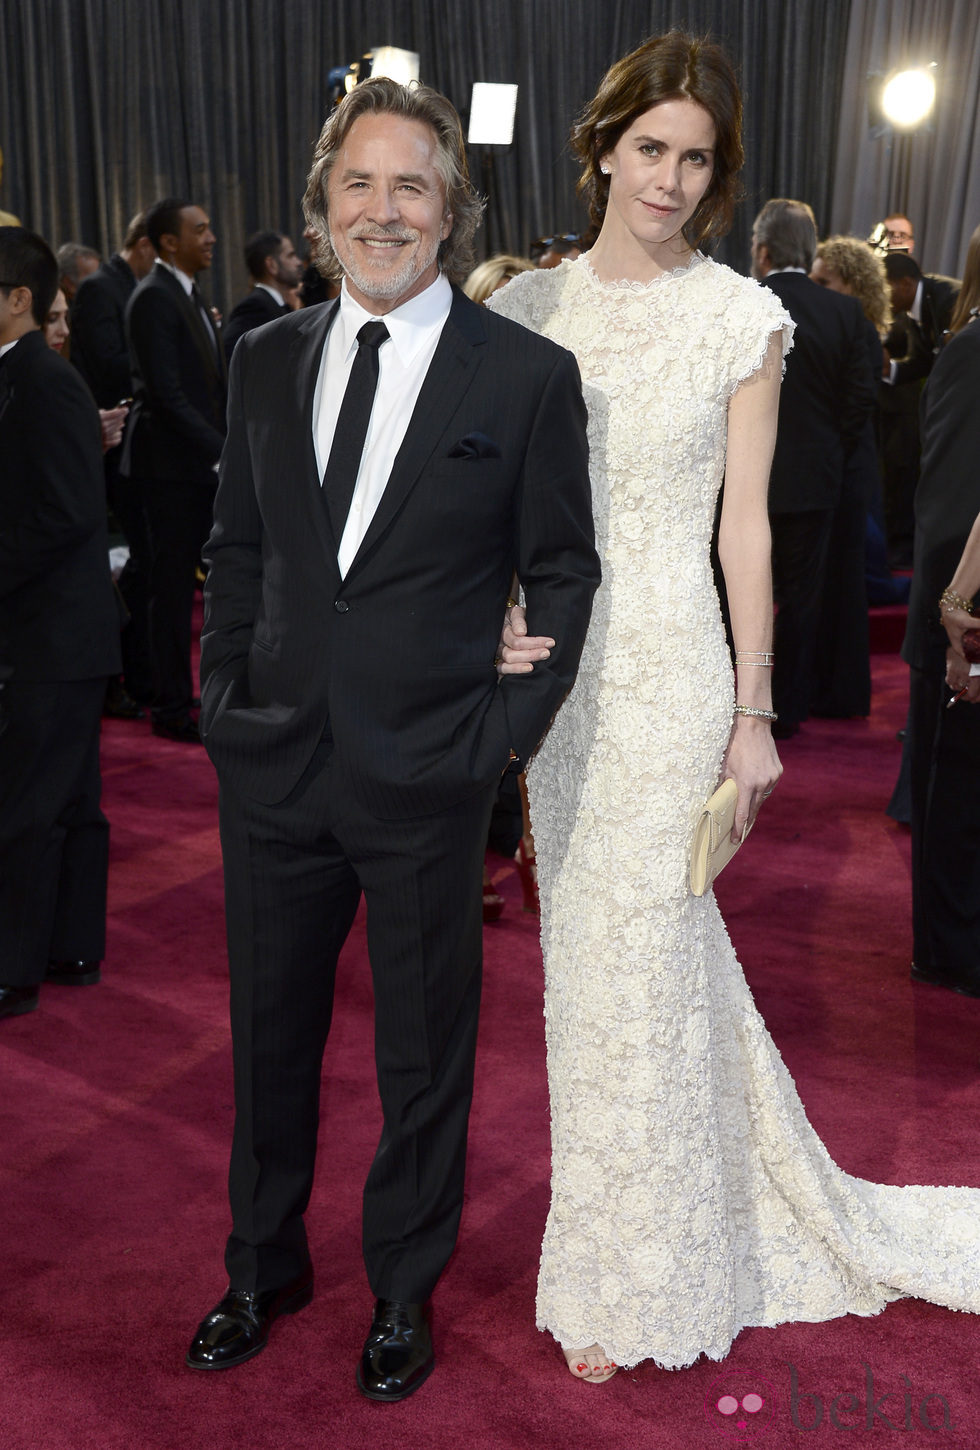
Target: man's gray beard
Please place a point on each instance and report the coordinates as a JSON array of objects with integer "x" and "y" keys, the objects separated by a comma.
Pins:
[{"x": 393, "y": 284}]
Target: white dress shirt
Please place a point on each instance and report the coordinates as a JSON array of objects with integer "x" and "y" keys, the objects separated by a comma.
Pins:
[
  {"x": 414, "y": 330},
  {"x": 915, "y": 312}
]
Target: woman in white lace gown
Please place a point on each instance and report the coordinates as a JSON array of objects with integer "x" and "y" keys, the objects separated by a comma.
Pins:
[{"x": 691, "y": 1198}]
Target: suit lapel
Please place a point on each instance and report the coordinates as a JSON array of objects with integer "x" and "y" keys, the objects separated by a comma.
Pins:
[
  {"x": 454, "y": 365},
  {"x": 205, "y": 338},
  {"x": 302, "y": 374}
]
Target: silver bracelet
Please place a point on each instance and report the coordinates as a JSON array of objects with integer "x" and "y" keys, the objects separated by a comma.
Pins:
[
  {"x": 752, "y": 710},
  {"x": 759, "y": 664}
]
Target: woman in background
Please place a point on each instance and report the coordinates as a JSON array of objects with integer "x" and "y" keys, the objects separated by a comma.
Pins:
[
  {"x": 489, "y": 276},
  {"x": 56, "y": 332}
]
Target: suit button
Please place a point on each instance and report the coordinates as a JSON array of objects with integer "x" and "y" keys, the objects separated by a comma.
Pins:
[{"x": 341, "y": 606}]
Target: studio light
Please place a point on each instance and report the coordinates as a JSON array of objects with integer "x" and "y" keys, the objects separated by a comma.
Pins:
[
  {"x": 492, "y": 109},
  {"x": 908, "y": 97},
  {"x": 397, "y": 65},
  {"x": 383, "y": 60}
]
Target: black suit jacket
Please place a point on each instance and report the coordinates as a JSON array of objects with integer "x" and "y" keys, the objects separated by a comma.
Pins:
[
  {"x": 396, "y": 659},
  {"x": 98, "y": 331},
  {"x": 915, "y": 346},
  {"x": 947, "y": 499},
  {"x": 58, "y": 616},
  {"x": 179, "y": 383},
  {"x": 255, "y": 309},
  {"x": 826, "y": 396}
]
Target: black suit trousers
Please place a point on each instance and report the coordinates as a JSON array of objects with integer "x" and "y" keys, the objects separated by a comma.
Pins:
[
  {"x": 178, "y": 517},
  {"x": 125, "y": 497},
  {"x": 294, "y": 874},
  {"x": 799, "y": 560},
  {"x": 54, "y": 839}
]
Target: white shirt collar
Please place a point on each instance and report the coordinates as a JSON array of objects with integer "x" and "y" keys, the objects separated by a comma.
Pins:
[
  {"x": 408, "y": 325},
  {"x": 8, "y": 345},
  {"x": 774, "y": 271},
  {"x": 186, "y": 282},
  {"x": 276, "y": 296},
  {"x": 915, "y": 311}
]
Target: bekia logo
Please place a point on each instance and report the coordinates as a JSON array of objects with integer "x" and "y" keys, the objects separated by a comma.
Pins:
[{"x": 742, "y": 1403}]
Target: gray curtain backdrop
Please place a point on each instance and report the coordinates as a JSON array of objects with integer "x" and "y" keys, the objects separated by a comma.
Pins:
[
  {"x": 934, "y": 173},
  {"x": 107, "y": 105}
]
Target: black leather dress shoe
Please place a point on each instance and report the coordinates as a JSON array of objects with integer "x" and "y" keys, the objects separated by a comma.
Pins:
[
  {"x": 397, "y": 1355},
  {"x": 183, "y": 729},
  {"x": 239, "y": 1326},
  {"x": 73, "y": 974},
  {"x": 937, "y": 978},
  {"x": 119, "y": 704},
  {"x": 15, "y": 1001}
]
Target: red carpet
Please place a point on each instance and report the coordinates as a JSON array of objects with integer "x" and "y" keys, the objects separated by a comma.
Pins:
[{"x": 116, "y": 1118}]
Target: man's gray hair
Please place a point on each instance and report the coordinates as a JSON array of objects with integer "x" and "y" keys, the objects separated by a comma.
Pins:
[
  {"x": 69, "y": 255},
  {"x": 788, "y": 231},
  {"x": 381, "y": 96}
]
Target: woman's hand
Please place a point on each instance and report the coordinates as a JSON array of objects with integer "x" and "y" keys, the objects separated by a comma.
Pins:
[
  {"x": 958, "y": 676},
  {"x": 956, "y": 622},
  {"x": 112, "y": 421},
  {"x": 751, "y": 761},
  {"x": 518, "y": 651}
]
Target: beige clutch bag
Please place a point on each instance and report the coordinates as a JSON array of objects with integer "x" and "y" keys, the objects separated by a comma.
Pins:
[{"x": 712, "y": 847}]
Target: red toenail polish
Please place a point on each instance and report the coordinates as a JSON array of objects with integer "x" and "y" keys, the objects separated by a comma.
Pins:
[{"x": 581, "y": 1368}]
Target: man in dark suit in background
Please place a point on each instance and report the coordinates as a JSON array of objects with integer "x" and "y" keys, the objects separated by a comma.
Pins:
[
  {"x": 174, "y": 440},
  {"x": 922, "y": 307},
  {"x": 59, "y": 640},
  {"x": 100, "y": 351},
  {"x": 276, "y": 272},
  {"x": 351, "y": 705},
  {"x": 824, "y": 400}
]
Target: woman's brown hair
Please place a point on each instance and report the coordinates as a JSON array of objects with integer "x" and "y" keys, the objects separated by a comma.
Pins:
[
  {"x": 969, "y": 296},
  {"x": 666, "y": 68}
]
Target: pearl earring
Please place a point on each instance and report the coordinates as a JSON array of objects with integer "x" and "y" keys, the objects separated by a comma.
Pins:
[{"x": 604, "y": 170}]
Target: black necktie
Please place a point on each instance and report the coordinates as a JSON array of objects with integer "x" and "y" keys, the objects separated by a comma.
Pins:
[
  {"x": 340, "y": 474},
  {"x": 198, "y": 300}
]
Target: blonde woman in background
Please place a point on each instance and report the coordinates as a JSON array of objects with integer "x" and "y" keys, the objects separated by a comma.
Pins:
[{"x": 493, "y": 274}]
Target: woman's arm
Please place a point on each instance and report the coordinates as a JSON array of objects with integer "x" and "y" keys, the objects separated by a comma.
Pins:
[
  {"x": 744, "y": 550},
  {"x": 963, "y": 586}
]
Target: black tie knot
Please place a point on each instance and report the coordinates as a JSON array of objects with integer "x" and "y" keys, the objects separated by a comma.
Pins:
[{"x": 372, "y": 334}]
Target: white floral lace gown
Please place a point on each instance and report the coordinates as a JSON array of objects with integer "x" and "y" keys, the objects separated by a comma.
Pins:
[{"x": 690, "y": 1197}]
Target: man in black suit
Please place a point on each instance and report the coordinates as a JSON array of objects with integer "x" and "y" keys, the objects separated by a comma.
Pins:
[
  {"x": 943, "y": 743},
  {"x": 275, "y": 271},
  {"x": 174, "y": 440},
  {"x": 825, "y": 398},
  {"x": 922, "y": 307},
  {"x": 100, "y": 351},
  {"x": 350, "y": 701},
  {"x": 59, "y": 640}
]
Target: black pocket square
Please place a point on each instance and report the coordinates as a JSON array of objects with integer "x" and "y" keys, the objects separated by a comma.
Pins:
[{"x": 475, "y": 445}]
